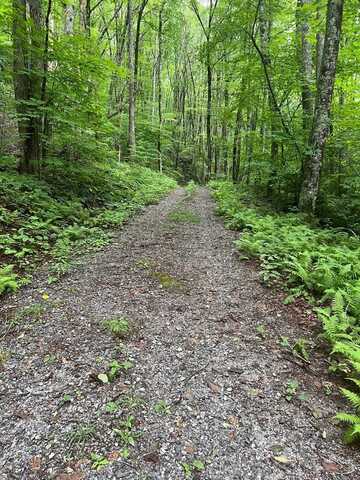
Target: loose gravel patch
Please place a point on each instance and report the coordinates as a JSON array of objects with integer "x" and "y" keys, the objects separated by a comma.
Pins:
[{"x": 196, "y": 389}]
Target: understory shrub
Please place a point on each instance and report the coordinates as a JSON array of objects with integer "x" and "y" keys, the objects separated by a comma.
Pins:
[{"x": 321, "y": 264}]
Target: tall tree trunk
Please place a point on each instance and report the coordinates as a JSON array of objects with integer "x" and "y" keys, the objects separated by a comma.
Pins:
[
  {"x": 85, "y": 16},
  {"x": 159, "y": 85},
  {"x": 265, "y": 29},
  {"x": 208, "y": 112},
  {"x": 321, "y": 123},
  {"x": 131, "y": 85},
  {"x": 224, "y": 131},
  {"x": 28, "y": 69},
  {"x": 305, "y": 64},
  {"x": 319, "y": 42},
  {"x": 237, "y": 146},
  {"x": 69, "y": 16}
]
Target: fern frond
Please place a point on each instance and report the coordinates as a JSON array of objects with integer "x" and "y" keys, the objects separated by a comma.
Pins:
[
  {"x": 349, "y": 418},
  {"x": 353, "y": 397}
]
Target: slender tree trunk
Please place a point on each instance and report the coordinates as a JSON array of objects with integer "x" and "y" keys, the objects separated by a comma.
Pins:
[
  {"x": 131, "y": 85},
  {"x": 159, "y": 85},
  {"x": 237, "y": 146},
  {"x": 69, "y": 16},
  {"x": 28, "y": 70},
  {"x": 208, "y": 114},
  {"x": 306, "y": 66},
  {"x": 319, "y": 42},
  {"x": 85, "y": 16},
  {"x": 224, "y": 133},
  {"x": 321, "y": 124}
]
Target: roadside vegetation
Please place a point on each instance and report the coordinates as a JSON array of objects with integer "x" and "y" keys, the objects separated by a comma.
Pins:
[
  {"x": 322, "y": 265},
  {"x": 65, "y": 212}
]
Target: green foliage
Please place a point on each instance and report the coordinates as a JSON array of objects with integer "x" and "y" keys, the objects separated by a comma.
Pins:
[
  {"x": 119, "y": 327},
  {"x": 162, "y": 408},
  {"x": 8, "y": 280},
  {"x": 352, "y": 433},
  {"x": 68, "y": 210},
  {"x": 98, "y": 462},
  {"x": 321, "y": 264},
  {"x": 126, "y": 431},
  {"x": 81, "y": 434},
  {"x": 190, "y": 189},
  {"x": 195, "y": 467},
  {"x": 183, "y": 216},
  {"x": 291, "y": 388}
]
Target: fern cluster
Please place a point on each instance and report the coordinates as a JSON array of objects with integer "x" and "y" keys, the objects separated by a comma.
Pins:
[{"x": 321, "y": 264}]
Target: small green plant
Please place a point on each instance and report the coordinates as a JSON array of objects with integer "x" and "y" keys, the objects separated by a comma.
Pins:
[
  {"x": 167, "y": 281},
  {"x": 190, "y": 189},
  {"x": 183, "y": 216},
  {"x": 352, "y": 420},
  {"x": 126, "y": 431},
  {"x": 300, "y": 349},
  {"x": 112, "y": 407},
  {"x": 291, "y": 388},
  {"x": 34, "y": 311},
  {"x": 131, "y": 402},
  {"x": 284, "y": 342},
  {"x": 162, "y": 408},
  {"x": 4, "y": 356},
  {"x": 8, "y": 280},
  {"x": 98, "y": 462},
  {"x": 118, "y": 327},
  {"x": 261, "y": 331},
  {"x": 113, "y": 370},
  {"x": 196, "y": 466},
  {"x": 81, "y": 434},
  {"x": 50, "y": 359},
  {"x": 66, "y": 399}
]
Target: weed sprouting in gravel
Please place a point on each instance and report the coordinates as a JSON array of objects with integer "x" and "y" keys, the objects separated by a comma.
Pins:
[
  {"x": 168, "y": 281},
  {"x": 183, "y": 216},
  {"x": 119, "y": 327},
  {"x": 126, "y": 431},
  {"x": 4, "y": 357},
  {"x": 81, "y": 434},
  {"x": 162, "y": 408}
]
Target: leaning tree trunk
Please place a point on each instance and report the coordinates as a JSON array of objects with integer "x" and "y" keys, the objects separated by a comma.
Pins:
[{"x": 321, "y": 123}]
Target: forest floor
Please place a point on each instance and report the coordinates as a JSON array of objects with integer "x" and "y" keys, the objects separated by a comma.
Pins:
[{"x": 206, "y": 396}]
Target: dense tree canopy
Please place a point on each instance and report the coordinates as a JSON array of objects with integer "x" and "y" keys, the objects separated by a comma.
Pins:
[{"x": 263, "y": 92}]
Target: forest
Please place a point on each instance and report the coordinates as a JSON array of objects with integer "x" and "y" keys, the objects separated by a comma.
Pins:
[{"x": 108, "y": 107}]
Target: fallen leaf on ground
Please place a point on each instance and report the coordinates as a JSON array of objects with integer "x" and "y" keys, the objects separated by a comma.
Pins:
[
  {"x": 282, "y": 459},
  {"x": 70, "y": 476},
  {"x": 214, "y": 387},
  {"x": 330, "y": 466},
  {"x": 35, "y": 463},
  {"x": 113, "y": 456},
  {"x": 189, "y": 449},
  {"x": 152, "y": 457}
]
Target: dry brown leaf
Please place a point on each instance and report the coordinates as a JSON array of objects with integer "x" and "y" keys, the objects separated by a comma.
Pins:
[
  {"x": 330, "y": 466},
  {"x": 70, "y": 476},
  {"x": 152, "y": 457},
  {"x": 234, "y": 421},
  {"x": 35, "y": 464},
  {"x": 113, "y": 456},
  {"x": 189, "y": 449},
  {"x": 214, "y": 387}
]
